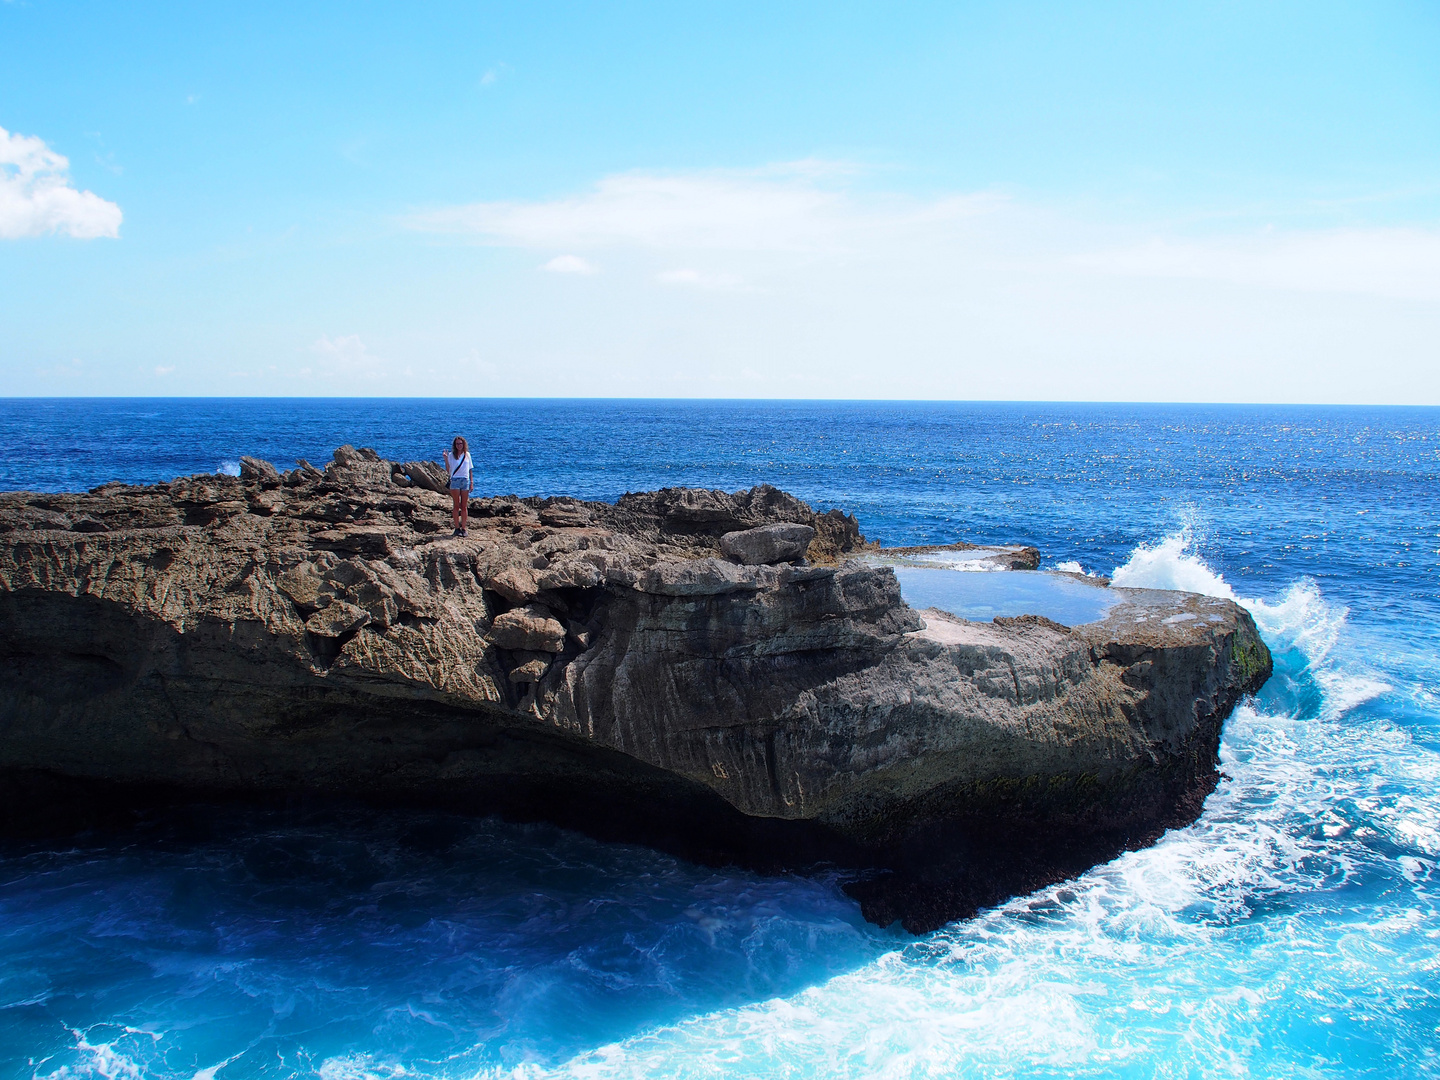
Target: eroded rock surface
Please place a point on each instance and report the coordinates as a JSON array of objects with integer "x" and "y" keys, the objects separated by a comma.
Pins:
[{"x": 607, "y": 667}]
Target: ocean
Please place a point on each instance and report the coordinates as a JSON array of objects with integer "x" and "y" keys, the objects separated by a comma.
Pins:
[{"x": 1294, "y": 930}]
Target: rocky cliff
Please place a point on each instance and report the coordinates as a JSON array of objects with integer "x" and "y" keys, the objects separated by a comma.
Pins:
[{"x": 705, "y": 672}]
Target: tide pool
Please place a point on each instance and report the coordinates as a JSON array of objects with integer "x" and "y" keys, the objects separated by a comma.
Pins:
[
  {"x": 1293, "y": 930},
  {"x": 982, "y": 596}
]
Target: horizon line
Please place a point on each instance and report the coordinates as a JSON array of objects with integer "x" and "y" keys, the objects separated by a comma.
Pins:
[{"x": 15, "y": 398}]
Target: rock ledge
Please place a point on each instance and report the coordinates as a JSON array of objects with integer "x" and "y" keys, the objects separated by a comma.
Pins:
[{"x": 632, "y": 670}]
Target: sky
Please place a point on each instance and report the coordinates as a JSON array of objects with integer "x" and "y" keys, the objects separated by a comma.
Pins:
[{"x": 1218, "y": 202}]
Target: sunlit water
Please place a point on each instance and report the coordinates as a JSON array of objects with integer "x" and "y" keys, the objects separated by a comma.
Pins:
[
  {"x": 1292, "y": 931},
  {"x": 981, "y": 596}
]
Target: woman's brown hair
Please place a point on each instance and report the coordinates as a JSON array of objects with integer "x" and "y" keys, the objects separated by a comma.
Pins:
[{"x": 460, "y": 442}]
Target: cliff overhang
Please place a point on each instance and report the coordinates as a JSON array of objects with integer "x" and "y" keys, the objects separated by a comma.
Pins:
[{"x": 713, "y": 674}]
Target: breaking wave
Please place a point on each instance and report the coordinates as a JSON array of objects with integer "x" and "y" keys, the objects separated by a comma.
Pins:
[
  {"x": 1303, "y": 900},
  {"x": 1291, "y": 930}
]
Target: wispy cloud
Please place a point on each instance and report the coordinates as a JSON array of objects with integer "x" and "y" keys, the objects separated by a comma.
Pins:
[
  {"x": 345, "y": 357},
  {"x": 36, "y": 196},
  {"x": 569, "y": 264},
  {"x": 811, "y": 208},
  {"x": 778, "y": 208},
  {"x": 1399, "y": 263},
  {"x": 808, "y": 274}
]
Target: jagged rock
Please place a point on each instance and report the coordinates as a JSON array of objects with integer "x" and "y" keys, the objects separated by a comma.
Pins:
[
  {"x": 515, "y": 583},
  {"x": 564, "y": 513},
  {"x": 336, "y": 619},
  {"x": 531, "y": 628},
  {"x": 425, "y": 474},
  {"x": 601, "y": 666},
  {"x": 784, "y": 542},
  {"x": 302, "y": 584},
  {"x": 531, "y": 669},
  {"x": 258, "y": 470},
  {"x": 265, "y": 503},
  {"x": 348, "y": 455}
]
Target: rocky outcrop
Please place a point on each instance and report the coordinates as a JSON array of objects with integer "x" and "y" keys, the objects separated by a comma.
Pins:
[
  {"x": 629, "y": 669},
  {"x": 768, "y": 544}
]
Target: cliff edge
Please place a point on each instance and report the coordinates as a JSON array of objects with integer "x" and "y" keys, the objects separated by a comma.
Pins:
[{"x": 708, "y": 673}]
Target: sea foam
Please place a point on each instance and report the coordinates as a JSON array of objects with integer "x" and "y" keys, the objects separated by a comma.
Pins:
[{"x": 1169, "y": 960}]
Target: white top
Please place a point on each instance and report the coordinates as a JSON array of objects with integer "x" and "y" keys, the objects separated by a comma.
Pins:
[{"x": 458, "y": 468}]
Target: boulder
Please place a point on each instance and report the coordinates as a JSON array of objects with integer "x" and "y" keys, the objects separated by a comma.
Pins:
[
  {"x": 349, "y": 455},
  {"x": 531, "y": 628},
  {"x": 425, "y": 474},
  {"x": 784, "y": 542},
  {"x": 531, "y": 669},
  {"x": 565, "y": 513},
  {"x": 698, "y": 577},
  {"x": 336, "y": 620},
  {"x": 256, "y": 469},
  {"x": 516, "y": 584}
]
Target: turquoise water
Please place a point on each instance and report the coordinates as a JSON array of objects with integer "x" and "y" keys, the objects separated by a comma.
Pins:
[{"x": 1292, "y": 931}]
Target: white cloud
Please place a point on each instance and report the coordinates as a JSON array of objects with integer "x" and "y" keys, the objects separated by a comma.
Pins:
[
  {"x": 798, "y": 209},
  {"x": 164, "y": 369},
  {"x": 345, "y": 358},
  {"x": 1399, "y": 263},
  {"x": 835, "y": 289},
  {"x": 36, "y": 196},
  {"x": 569, "y": 264},
  {"x": 780, "y": 208}
]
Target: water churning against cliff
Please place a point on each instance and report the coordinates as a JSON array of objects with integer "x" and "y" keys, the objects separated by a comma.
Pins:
[{"x": 1292, "y": 930}]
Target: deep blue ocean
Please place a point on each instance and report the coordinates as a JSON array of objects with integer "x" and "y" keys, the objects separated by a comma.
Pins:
[{"x": 1294, "y": 930}]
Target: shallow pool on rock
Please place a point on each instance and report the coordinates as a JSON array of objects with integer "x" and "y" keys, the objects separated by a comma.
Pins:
[{"x": 980, "y": 597}]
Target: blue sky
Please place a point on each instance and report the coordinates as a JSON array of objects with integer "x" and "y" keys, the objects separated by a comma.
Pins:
[{"x": 1211, "y": 202}]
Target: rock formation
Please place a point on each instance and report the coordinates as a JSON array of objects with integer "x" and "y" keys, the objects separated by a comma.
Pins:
[{"x": 708, "y": 673}]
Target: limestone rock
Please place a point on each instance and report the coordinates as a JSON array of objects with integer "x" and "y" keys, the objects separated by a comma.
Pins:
[
  {"x": 258, "y": 470},
  {"x": 515, "y": 583},
  {"x": 565, "y": 513},
  {"x": 531, "y": 668},
  {"x": 302, "y": 584},
  {"x": 785, "y": 542},
  {"x": 699, "y": 577},
  {"x": 531, "y": 628},
  {"x": 425, "y": 474},
  {"x": 336, "y": 620},
  {"x": 604, "y": 666}
]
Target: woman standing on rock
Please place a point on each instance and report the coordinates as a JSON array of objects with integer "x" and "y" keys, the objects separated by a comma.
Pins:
[{"x": 462, "y": 482}]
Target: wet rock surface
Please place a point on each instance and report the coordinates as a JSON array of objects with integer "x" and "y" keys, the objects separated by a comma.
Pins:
[{"x": 617, "y": 668}]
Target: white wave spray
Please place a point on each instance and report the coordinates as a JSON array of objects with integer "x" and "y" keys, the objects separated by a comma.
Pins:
[{"x": 1180, "y": 959}]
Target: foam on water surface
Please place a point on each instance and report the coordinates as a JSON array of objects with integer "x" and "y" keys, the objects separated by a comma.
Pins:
[{"x": 1292, "y": 930}]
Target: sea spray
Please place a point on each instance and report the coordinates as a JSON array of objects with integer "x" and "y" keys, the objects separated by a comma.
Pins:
[
  {"x": 1291, "y": 931},
  {"x": 1173, "y": 960}
]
